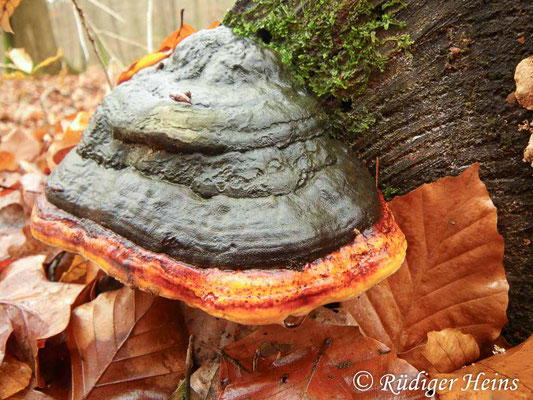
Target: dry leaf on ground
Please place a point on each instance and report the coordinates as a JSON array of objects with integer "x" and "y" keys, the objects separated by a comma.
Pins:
[
  {"x": 35, "y": 307},
  {"x": 314, "y": 360},
  {"x": 512, "y": 369},
  {"x": 15, "y": 375},
  {"x": 68, "y": 134},
  {"x": 7, "y": 7},
  {"x": 127, "y": 342},
  {"x": 444, "y": 351},
  {"x": 453, "y": 275},
  {"x": 211, "y": 333},
  {"x": 21, "y": 59},
  {"x": 21, "y": 145}
]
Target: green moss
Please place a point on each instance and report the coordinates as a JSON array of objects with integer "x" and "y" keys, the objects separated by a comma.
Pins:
[
  {"x": 333, "y": 46},
  {"x": 389, "y": 193}
]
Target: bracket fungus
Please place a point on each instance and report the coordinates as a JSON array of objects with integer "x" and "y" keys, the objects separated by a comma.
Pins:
[{"x": 212, "y": 179}]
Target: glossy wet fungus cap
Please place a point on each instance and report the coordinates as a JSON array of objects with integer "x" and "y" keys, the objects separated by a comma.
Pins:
[{"x": 217, "y": 162}]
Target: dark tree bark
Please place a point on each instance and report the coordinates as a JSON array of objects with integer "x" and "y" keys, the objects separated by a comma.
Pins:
[
  {"x": 444, "y": 109},
  {"x": 33, "y": 32}
]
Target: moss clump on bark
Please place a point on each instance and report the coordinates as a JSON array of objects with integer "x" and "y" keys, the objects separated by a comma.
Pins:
[{"x": 333, "y": 46}]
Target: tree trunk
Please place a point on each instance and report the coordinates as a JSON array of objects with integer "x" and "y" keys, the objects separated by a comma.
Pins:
[
  {"x": 33, "y": 32},
  {"x": 442, "y": 109}
]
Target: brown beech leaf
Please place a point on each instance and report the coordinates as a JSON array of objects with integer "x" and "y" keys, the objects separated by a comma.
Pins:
[
  {"x": 5, "y": 331},
  {"x": 36, "y": 308},
  {"x": 445, "y": 351},
  {"x": 127, "y": 342},
  {"x": 15, "y": 375},
  {"x": 23, "y": 146},
  {"x": 80, "y": 271},
  {"x": 452, "y": 276},
  {"x": 508, "y": 375},
  {"x": 313, "y": 361}
]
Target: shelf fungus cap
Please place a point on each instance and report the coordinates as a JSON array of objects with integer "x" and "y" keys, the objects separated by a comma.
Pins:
[{"x": 211, "y": 179}]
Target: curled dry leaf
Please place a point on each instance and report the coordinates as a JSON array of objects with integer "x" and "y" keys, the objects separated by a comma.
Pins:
[
  {"x": 453, "y": 275},
  {"x": 35, "y": 307},
  {"x": 80, "y": 271},
  {"x": 505, "y": 376},
  {"x": 523, "y": 77},
  {"x": 126, "y": 342},
  {"x": 311, "y": 361},
  {"x": 15, "y": 375},
  {"x": 444, "y": 351},
  {"x": 7, "y": 7}
]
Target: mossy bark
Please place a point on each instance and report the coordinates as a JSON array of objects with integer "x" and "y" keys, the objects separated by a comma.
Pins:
[{"x": 439, "y": 108}]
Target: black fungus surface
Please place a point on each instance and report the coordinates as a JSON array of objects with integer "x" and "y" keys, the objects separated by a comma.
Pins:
[{"x": 243, "y": 177}]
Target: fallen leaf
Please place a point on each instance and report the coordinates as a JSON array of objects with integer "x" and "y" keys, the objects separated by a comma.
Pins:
[
  {"x": 80, "y": 271},
  {"x": 31, "y": 394},
  {"x": 313, "y": 360},
  {"x": 508, "y": 375},
  {"x": 22, "y": 146},
  {"x": 21, "y": 59},
  {"x": 46, "y": 62},
  {"x": 15, "y": 375},
  {"x": 12, "y": 222},
  {"x": 165, "y": 49},
  {"x": 69, "y": 132},
  {"x": 7, "y": 7},
  {"x": 444, "y": 351},
  {"x": 205, "y": 379},
  {"x": 127, "y": 343},
  {"x": 5, "y": 331},
  {"x": 453, "y": 275},
  {"x": 36, "y": 308},
  {"x": 210, "y": 332},
  {"x": 7, "y": 161},
  {"x": 523, "y": 77}
]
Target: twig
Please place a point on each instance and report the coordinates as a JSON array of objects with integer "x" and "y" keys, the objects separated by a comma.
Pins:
[
  {"x": 149, "y": 30},
  {"x": 91, "y": 39},
  {"x": 188, "y": 368},
  {"x": 321, "y": 352},
  {"x": 108, "y": 10},
  {"x": 377, "y": 171},
  {"x": 121, "y": 38},
  {"x": 42, "y": 98},
  {"x": 232, "y": 360}
]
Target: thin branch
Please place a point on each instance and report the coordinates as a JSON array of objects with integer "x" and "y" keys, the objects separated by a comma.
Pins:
[
  {"x": 321, "y": 352},
  {"x": 232, "y": 360},
  {"x": 83, "y": 43},
  {"x": 108, "y": 10},
  {"x": 91, "y": 39},
  {"x": 149, "y": 30},
  {"x": 105, "y": 45},
  {"x": 113, "y": 35},
  {"x": 377, "y": 171},
  {"x": 188, "y": 368}
]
